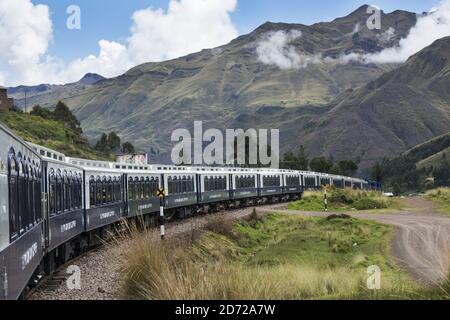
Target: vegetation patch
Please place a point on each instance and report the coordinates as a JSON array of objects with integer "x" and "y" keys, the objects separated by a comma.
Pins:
[
  {"x": 277, "y": 256},
  {"x": 441, "y": 197},
  {"x": 343, "y": 200}
]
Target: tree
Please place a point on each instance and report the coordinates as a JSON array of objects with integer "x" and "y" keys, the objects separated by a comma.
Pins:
[
  {"x": 102, "y": 144},
  {"x": 302, "y": 159},
  {"x": 442, "y": 175},
  {"x": 62, "y": 113},
  {"x": 335, "y": 169},
  {"x": 289, "y": 161},
  {"x": 377, "y": 172},
  {"x": 396, "y": 189},
  {"x": 347, "y": 167},
  {"x": 41, "y": 112},
  {"x": 113, "y": 142},
  {"x": 320, "y": 164},
  {"x": 128, "y": 148}
]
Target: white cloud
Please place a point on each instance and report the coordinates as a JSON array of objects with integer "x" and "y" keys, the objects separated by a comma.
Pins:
[
  {"x": 186, "y": 27},
  {"x": 156, "y": 35},
  {"x": 429, "y": 28},
  {"x": 25, "y": 32},
  {"x": 276, "y": 49}
]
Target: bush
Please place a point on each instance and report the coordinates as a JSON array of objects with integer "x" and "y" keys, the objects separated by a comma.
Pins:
[{"x": 369, "y": 203}]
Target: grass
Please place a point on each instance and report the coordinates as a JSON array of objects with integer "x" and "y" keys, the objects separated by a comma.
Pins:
[
  {"x": 273, "y": 257},
  {"x": 344, "y": 200},
  {"x": 441, "y": 197}
]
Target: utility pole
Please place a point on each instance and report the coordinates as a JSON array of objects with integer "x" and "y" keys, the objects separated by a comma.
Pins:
[{"x": 25, "y": 99}]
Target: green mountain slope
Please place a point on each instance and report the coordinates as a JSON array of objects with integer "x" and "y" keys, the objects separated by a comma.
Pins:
[
  {"x": 49, "y": 133},
  {"x": 398, "y": 111}
]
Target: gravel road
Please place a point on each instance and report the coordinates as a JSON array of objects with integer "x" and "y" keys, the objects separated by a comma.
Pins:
[
  {"x": 99, "y": 267},
  {"x": 421, "y": 242}
]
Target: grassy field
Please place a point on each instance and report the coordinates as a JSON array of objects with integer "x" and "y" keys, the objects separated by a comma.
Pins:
[
  {"x": 441, "y": 197},
  {"x": 344, "y": 200},
  {"x": 49, "y": 133},
  {"x": 273, "y": 257}
]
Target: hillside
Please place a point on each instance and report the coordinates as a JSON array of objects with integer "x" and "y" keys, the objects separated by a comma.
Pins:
[
  {"x": 50, "y": 133},
  {"x": 431, "y": 154},
  {"x": 413, "y": 169},
  {"x": 396, "y": 112},
  {"x": 231, "y": 84}
]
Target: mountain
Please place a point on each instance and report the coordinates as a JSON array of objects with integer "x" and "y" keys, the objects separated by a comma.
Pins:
[
  {"x": 420, "y": 168},
  {"x": 231, "y": 85},
  {"x": 431, "y": 154},
  {"x": 47, "y": 95},
  {"x": 385, "y": 117}
]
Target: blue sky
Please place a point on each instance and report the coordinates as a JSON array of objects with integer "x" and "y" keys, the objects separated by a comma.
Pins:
[{"x": 111, "y": 19}]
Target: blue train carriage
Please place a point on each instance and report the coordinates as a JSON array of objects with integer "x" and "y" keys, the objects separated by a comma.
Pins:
[
  {"x": 21, "y": 219},
  {"x": 105, "y": 195},
  {"x": 143, "y": 201},
  {"x": 325, "y": 180},
  {"x": 310, "y": 180},
  {"x": 243, "y": 187},
  {"x": 293, "y": 183},
  {"x": 63, "y": 207},
  {"x": 213, "y": 188},
  {"x": 270, "y": 184},
  {"x": 181, "y": 191}
]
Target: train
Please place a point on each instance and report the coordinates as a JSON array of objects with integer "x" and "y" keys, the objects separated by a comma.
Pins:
[{"x": 54, "y": 207}]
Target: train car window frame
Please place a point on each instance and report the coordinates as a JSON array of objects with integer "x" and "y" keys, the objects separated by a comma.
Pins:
[
  {"x": 59, "y": 192},
  {"x": 13, "y": 176}
]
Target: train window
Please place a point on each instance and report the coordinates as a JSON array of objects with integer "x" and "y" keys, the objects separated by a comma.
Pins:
[
  {"x": 175, "y": 185},
  {"x": 38, "y": 193},
  {"x": 13, "y": 195},
  {"x": 52, "y": 193},
  {"x": 142, "y": 188},
  {"x": 130, "y": 188},
  {"x": 136, "y": 188},
  {"x": 170, "y": 185},
  {"x": 98, "y": 192},
  {"x": 114, "y": 197},
  {"x": 66, "y": 186},
  {"x": 104, "y": 191},
  {"x": 31, "y": 202},
  {"x": 92, "y": 191},
  {"x": 109, "y": 190},
  {"x": 184, "y": 185},
  {"x": 147, "y": 188},
  {"x": 59, "y": 192},
  {"x": 206, "y": 183},
  {"x": 21, "y": 194}
]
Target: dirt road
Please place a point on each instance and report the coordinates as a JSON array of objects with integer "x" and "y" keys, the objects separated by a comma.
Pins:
[{"x": 422, "y": 238}]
